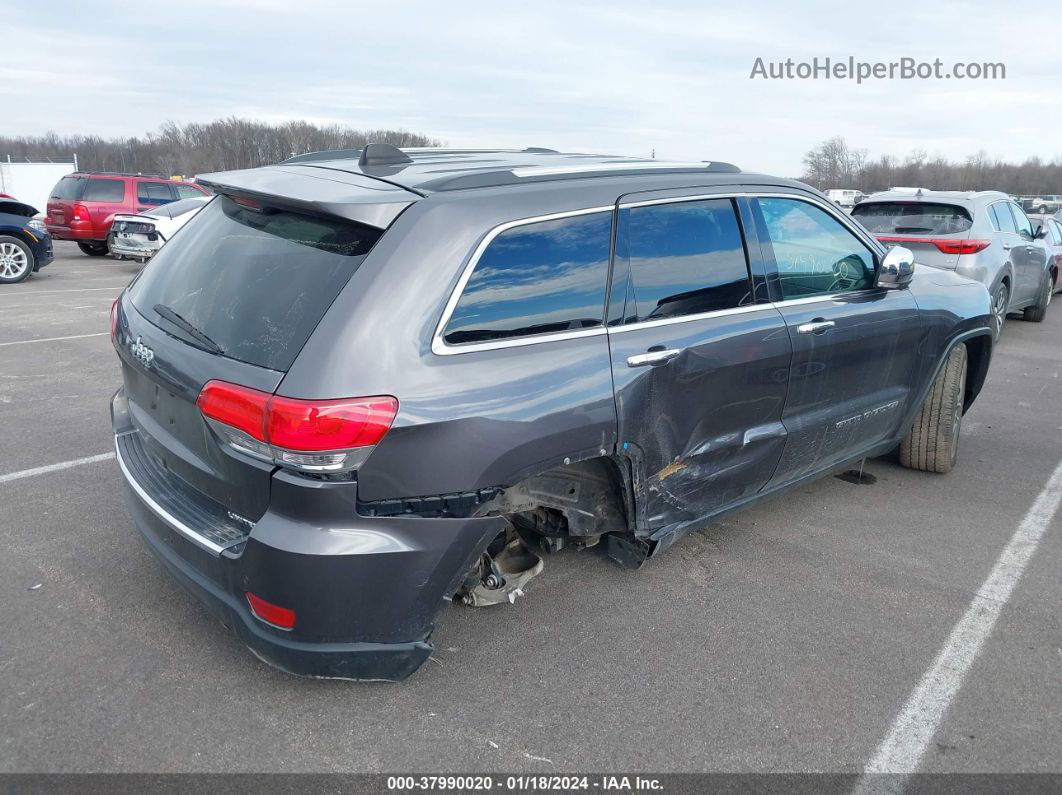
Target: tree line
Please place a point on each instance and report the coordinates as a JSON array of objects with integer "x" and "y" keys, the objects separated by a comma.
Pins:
[
  {"x": 833, "y": 164},
  {"x": 198, "y": 148}
]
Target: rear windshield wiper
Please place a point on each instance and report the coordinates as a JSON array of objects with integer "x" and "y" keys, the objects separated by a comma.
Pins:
[{"x": 177, "y": 320}]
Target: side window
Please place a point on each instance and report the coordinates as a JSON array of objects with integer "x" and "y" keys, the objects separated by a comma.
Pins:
[
  {"x": 685, "y": 258},
  {"x": 103, "y": 190},
  {"x": 536, "y": 278},
  {"x": 813, "y": 252},
  {"x": 188, "y": 192},
  {"x": 153, "y": 193},
  {"x": 1056, "y": 232},
  {"x": 1002, "y": 220},
  {"x": 1021, "y": 220}
]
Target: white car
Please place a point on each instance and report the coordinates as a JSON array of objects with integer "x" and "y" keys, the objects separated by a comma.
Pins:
[{"x": 140, "y": 236}]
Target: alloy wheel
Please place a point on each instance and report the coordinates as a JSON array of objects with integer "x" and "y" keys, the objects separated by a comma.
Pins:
[
  {"x": 13, "y": 261},
  {"x": 999, "y": 311}
]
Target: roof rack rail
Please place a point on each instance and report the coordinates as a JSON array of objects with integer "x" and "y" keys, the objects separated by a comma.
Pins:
[
  {"x": 541, "y": 150},
  {"x": 120, "y": 174},
  {"x": 324, "y": 154}
]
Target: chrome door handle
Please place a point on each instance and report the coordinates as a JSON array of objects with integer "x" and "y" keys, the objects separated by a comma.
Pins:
[
  {"x": 815, "y": 327},
  {"x": 653, "y": 358}
]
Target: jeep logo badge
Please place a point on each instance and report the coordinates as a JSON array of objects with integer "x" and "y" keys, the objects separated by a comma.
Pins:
[{"x": 141, "y": 352}]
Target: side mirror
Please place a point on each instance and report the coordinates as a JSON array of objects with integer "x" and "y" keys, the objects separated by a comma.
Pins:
[
  {"x": 1039, "y": 233},
  {"x": 897, "y": 268}
]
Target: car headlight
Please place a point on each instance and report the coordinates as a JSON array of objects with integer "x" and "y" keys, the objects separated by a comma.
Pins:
[{"x": 37, "y": 225}]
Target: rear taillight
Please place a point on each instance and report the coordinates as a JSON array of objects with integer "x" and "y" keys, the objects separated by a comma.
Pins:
[
  {"x": 81, "y": 213},
  {"x": 279, "y": 617},
  {"x": 945, "y": 244},
  {"x": 311, "y": 435},
  {"x": 114, "y": 320}
]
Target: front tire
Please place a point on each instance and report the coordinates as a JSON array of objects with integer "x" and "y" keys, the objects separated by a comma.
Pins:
[
  {"x": 16, "y": 260},
  {"x": 933, "y": 443},
  {"x": 93, "y": 249},
  {"x": 1038, "y": 311}
]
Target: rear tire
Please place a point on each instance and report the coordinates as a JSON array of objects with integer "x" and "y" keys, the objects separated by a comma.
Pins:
[
  {"x": 94, "y": 249},
  {"x": 16, "y": 260},
  {"x": 1038, "y": 311},
  {"x": 933, "y": 443}
]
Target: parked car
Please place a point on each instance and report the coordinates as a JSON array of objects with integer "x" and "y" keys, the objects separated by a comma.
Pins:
[
  {"x": 1052, "y": 237},
  {"x": 355, "y": 388},
  {"x": 83, "y": 205},
  {"x": 844, "y": 197},
  {"x": 141, "y": 236},
  {"x": 982, "y": 235},
  {"x": 25, "y": 245}
]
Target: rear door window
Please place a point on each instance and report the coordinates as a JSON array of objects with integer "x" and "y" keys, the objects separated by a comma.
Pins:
[
  {"x": 686, "y": 258},
  {"x": 913, "y": 218},
  {"x": 256, "y": 283},
  {"x": 537, "y": 278},
  {"x": 814, "y": 253},
  {"x": 1021, "y": 220},
  {"x": 1055, "y": 230},
  {"x": 1002, "y": 220},
  {"x": 103, "y": 190},
  {"x": 154, "y": 193}
]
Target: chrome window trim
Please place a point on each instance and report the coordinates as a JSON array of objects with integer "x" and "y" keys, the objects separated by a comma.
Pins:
[
  {"x": 441, "y": 348},
  {"x": 817, "y": 299},
  {"x": 161, "y": 512},
  {"x": 671, "y": 321},
  {"x": 677, "y": 199}
]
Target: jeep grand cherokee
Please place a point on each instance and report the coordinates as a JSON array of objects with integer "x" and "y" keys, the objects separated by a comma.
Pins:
[{"x": 361, "y": 384}]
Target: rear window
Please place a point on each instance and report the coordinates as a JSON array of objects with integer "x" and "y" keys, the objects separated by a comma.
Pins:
[
  {"x": 536, "y": 278},
  {"x": 68, "y": 189},
  {"x": 256, "y": 283},
  {"x": 103, "y": 190},
  {"x": 913, "y": 218}
]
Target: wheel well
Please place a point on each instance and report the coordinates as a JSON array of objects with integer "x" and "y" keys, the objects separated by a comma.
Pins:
[
  {"x": 978, "y": 356},
  {"x": 585, "y": 499}
]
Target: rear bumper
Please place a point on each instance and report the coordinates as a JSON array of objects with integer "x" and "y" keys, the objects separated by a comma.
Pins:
[
  {"x": 74, "y": 233},
  {"x": 366, "y": 591},
  {"x": 137, "y": 249}
]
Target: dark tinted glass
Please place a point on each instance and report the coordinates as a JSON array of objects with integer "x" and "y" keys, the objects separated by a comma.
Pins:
[
  {"x": 103, "y": 190},
  {"x": 256, "y": 283},
  {"x": 153, "y": 193},
  {"x": 912, "y": 218},
  {"x": 68, "y": 188},
  {"x": 1002, "y": 220},
  {"x": 536, "y": 279},
  {"x": 1021, "y": 220},
  {"x": 813, "y": 252},
  {"x": 686, "y": 258}
]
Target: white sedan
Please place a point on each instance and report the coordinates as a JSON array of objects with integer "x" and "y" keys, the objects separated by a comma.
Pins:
[{"x": 140, "y": 236}]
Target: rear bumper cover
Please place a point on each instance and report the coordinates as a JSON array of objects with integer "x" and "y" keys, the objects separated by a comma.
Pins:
[
  {"x": 86, "y": 234},
  {"x": 366, "y": 591}
]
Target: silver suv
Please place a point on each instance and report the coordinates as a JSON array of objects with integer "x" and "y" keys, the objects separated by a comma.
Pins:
[{"x": 983, "y": 235}]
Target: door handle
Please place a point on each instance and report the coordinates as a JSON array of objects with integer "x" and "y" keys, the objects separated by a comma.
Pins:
[
  {"x": 653, "y": 358},
  {"x": 815, "y": 327},
  {"x": 1006, "y": 246}
]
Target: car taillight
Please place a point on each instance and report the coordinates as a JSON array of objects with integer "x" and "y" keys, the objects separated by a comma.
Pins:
[
  {"x": 81, "y": 212},
  {"x": 311, "y": 435},
  {"x": 280, "y": 617},
  {"x": 114, "y": 320},
  {"x": 944, "y": 244}
]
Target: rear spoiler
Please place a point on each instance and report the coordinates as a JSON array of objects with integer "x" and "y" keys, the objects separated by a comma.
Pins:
[{"x": 355, "y": 197}]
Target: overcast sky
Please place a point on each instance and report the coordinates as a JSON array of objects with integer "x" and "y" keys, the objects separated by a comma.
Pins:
[{"x": 614, "y": 77}]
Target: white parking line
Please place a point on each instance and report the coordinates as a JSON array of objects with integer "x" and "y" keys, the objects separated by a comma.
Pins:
[
  {"x": 915, "y": 726},
  {"x": 28, "y": 473},
  {"x": 23, "y": 293},
  {"x": 56, "y": 339}
]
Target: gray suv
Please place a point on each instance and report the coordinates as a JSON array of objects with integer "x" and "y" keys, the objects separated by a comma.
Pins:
[
  {"x": 358, "y": 385},
  {"x": 983, "y": 235}
]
